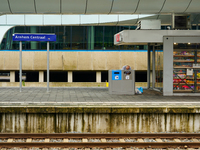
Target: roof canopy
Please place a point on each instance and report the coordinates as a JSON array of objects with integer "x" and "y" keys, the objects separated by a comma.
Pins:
[{"x": 98, "y": 6}]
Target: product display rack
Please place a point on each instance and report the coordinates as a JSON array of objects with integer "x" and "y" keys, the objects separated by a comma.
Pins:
[{"x": 186, "y": 70}]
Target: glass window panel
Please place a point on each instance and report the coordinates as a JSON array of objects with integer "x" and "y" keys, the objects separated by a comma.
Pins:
[
  {"x": 98, "y": 38},
  {"x": 184, "y": 74},
  {"x": 71, "y": 37},
  {"x": 109, "y": 37},
  {"x": 79, "y": 37},
  {"x": 66, "y": 37}
]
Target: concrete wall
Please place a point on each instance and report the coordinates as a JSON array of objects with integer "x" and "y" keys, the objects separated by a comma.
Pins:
[
  {"x": 98, "y": 123},
  {"x": 73, "y": 60},
  {"x": 98, "y": 120}
]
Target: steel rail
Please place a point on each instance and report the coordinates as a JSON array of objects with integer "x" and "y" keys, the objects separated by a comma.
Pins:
[
  {"x": 101, "y": 144},
  {"x": 101, "y": 135}
]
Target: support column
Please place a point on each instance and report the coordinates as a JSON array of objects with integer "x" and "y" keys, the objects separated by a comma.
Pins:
[
  {"x": 173, "y": 21},
  {"x": 98, "y": 76},
  {"x": 168, "y": 65},
  {"x": 151, "y": 76},
  {"x": 20, "y": 66},
  {"x": 33, "y": 43},
  {"x": 48, "y": 66},
  {"x": 41, "y": 76},
  {"x": 12, "y": 76},
  {"x": 148, "y": 66},
  {"x": 70, "y": 77},
  {"x": 153, "y": 68}
]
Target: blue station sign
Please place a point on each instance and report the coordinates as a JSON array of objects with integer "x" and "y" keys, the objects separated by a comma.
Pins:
[{"x": 34, "y": 37}]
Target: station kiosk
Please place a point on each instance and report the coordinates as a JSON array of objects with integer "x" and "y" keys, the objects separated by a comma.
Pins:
[{"x": 122, "y": 82}]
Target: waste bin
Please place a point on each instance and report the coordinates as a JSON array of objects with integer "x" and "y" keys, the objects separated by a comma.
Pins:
[{"x": 121, "y": 81}]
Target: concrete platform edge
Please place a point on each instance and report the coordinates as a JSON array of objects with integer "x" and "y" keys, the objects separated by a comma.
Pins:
[{"x": 93, "y": 109}]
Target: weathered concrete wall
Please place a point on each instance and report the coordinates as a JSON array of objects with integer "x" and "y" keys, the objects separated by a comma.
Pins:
[
  {"x": 98, "y": 120},
  {"x": 73, "y": 60},
  {"x": 98, "y": 123}
]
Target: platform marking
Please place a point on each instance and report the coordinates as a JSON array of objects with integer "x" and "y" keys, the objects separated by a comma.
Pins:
[{"x": 100, "y": 102}]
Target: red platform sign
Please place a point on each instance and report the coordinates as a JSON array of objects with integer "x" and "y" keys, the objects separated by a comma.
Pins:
[{"x": 118, "y": 37}]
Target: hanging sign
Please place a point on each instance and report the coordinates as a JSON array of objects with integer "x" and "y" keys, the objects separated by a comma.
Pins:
[
  {"x": 34, "y": 37},
  {"x": 118, "y": 37}
]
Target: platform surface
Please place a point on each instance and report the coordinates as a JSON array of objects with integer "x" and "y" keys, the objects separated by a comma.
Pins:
[{"x": 90, "y": 97}]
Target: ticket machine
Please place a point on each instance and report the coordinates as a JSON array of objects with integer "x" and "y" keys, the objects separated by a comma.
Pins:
[{"x": 121, "y": 82}]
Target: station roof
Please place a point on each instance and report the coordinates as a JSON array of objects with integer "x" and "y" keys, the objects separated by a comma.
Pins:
[
  {"x": 154, "y": 9},
  {"x": 98, "y": 6}
]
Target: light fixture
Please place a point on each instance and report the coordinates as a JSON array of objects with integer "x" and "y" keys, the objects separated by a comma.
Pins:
[
  {"x": 174, "y": 43},
  {"x": 188, "y": 43}
]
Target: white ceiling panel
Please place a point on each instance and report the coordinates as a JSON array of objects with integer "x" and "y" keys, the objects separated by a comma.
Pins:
[
  {"x": 124, "y": 6},
  {"x": 147, "y": 17},
  {"x": 128, "y": 22},
  {"x": 34, "y": 19},
  {"x": 177, "y": 6},
  {"x": 3, "y": 20},
  {"x": 150, "y": 6},
  {"x": 98, "y": 6},
  {"x": 73, "y": 6},
  {"x": 133, "y": 19},
  {"x": 127, "y": 17},
  {"x": 108, "y": 18},
  {"x": 70, "y": 19},
  {"x": 52, "y": 19},
  {"x": 48, "y": 6},
  {"x": 4, "y": 8},
  {"x": 89, "y": 19},
  {"x": 194, "y": 6},
  {"x": 15, "y": 19},
  {"x": 17, "y": 7}
]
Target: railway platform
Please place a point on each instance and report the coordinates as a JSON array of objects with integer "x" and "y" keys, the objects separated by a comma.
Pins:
[
  {"x": 94, "y": 110},
  {"x": 89, "y": 97}
]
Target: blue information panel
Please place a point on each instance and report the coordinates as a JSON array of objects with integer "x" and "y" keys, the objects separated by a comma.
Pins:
[
  {"x": 34, "y": 37},
  {"x": 116, "y": 75}
]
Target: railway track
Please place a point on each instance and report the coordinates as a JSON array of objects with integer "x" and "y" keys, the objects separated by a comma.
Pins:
[{"x": 156, "y": 140}]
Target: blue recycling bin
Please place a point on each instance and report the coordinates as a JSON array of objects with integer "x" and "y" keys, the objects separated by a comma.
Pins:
[{"x": 116, "y": 75}]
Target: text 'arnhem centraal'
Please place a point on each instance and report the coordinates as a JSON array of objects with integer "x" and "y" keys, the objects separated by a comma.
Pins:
[{"x": 29, "y": 37}]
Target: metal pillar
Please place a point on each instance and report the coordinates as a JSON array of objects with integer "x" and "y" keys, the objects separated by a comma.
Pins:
[
  {"x": 47, "y": 66},
  {"x": 153, "y": 68},
  {"x": 173, "y": 21},
  {"x": 148, "y": 66},
  {"x": 20, "y": 65}
]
